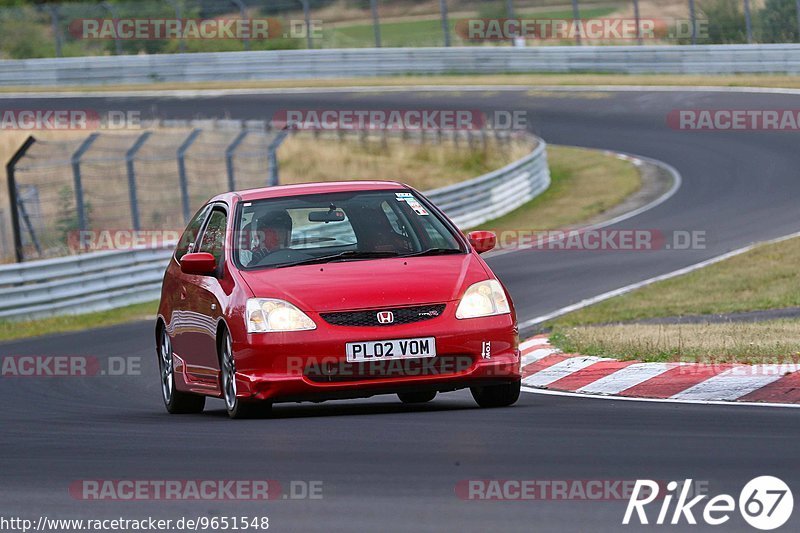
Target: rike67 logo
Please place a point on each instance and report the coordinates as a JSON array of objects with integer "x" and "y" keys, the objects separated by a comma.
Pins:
[{"x": 765, "y": 503}]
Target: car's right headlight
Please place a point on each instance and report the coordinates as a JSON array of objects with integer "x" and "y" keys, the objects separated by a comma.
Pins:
[
  {"x": 265, "y": 315},
  {"x": 485, "y": 298}
]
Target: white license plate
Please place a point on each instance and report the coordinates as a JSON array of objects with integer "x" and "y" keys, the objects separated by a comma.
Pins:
[{"x": 392, "y": 349}]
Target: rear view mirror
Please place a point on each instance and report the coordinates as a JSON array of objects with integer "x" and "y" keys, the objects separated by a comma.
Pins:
[
  {"x": 326, "y": 216},
  {"x": 482, "y": 241},
  {"x": 199, "y": 264}
]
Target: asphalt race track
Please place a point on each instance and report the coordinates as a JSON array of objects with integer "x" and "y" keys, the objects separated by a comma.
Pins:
[{"x": 386, "y": 466}]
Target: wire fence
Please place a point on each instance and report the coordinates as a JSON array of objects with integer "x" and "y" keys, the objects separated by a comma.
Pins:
[
  {"x": 126, "y": 27},
  {"x": 72, "y": 194},
  {"x": 140, "y": 181}
]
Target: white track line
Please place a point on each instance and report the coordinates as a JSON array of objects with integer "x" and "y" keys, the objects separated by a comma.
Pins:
[
  {"x": 657, "y": 400},
  {"x": 537, "y": 355},
  {"x": 626, "y": 378},
  {"x": 628, "y": 288},
  {"x": 560, "y": 370},
  {"x": 536, "y": 341}
]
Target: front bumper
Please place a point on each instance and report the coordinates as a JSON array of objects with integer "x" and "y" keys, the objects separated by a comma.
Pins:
[{"x": 312, "y": 365}]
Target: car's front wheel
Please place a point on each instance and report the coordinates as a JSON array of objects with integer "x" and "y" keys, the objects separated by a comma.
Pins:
[
  {"x": 176, "y": 402},
  {"x": 236, "y": 407},
  {"x": 497, "y": 395}
]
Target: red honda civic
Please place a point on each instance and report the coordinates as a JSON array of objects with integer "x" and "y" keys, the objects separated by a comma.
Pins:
[{"x": 327, "y": 291}]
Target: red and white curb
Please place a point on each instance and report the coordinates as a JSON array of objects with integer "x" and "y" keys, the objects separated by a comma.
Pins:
[{"x": 547, "y": 368}]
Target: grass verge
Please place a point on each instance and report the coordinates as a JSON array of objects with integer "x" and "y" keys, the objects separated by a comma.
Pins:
[
  {"x": 584, "y": 184},
  {"x": 763, "y": 278},
  {"x": 62, "y": 324},
  {"x": 522, "y": 80}
]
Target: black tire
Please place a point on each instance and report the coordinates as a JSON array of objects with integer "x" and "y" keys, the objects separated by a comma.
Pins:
[
  {"x": 176, "y": 402},
  {"x": 497, "y": 395},
  {"x": 235, "y": 406},
  {"x": 416, "y": 397}
]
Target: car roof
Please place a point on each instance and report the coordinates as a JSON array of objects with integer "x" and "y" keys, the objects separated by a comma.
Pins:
[{"x": 315, "y": 188}]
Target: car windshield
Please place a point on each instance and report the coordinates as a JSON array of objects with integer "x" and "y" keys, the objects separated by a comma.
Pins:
[{"x": 342, "y": 226}]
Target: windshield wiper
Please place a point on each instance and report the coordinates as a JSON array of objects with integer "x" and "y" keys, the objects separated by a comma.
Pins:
[
  {"x": 434, "y": 251},
  {"x": 349, "y": 254}
]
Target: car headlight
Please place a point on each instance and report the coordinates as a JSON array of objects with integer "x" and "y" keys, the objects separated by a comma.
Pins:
[
  {"x": 485, "y": 298},
  {"x": 265, "y": 315}
]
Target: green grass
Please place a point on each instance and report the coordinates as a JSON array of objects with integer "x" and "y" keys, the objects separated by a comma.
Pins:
[
  {"x": 33, "y": 328},
  {"x": 425, "y": 32},
  {"x": 584, "y": 184},
  {"x": 763, "y": 278},
  {"x": 775, "y": 341},
  {"x": 766, "y": 277},
  {"x": 452, "y": 80}
]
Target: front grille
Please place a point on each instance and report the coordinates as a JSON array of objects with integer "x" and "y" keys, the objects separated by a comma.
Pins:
[{"x": 401, "y": 315}]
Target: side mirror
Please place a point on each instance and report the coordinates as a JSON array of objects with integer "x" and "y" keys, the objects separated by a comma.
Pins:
[
  {"x": 199, "y": 264},
  {"x": 482, "y": 241}
]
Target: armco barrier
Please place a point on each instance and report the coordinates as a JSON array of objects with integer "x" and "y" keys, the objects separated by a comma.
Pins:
[
  {"x": 355, "y": 62},
  {"x": 106, "y": 280}
]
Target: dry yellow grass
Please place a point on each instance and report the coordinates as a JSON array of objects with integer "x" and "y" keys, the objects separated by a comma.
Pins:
[
  {"x": 423, "y": 166},
  {"x": 773, "y": 341},
  {"x": 522, "y": 80},
  {"x": 585, "y": 183}
]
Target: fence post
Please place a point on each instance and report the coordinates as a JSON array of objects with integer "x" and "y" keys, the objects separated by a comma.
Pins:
[
  {"x": 184, "y": 183},
  {"x": 11, "y": 167},
  {"x": 638, "y": 22},
  {"x": 376, "y": 22},
  {"x": 445, "y": 23},
  {"x": 243, "y": 14},
  {"x": 130, "y": 155},
  {"x": 53, "y": 9},
  {"x": 576, "y": 19},
  {"x": 117, "y": 44},
  {"x": 693, "y": 17},
  {"x": 307, "y": 17},
  {"x": 272, "y": 156},
  {"x": 76, "y": 176},
  {"x": 229, "y": 158},
  {"x": 510, "y": 9},
  {"x": 179, "y": 17},
  {"x": 748, "y": 22}
]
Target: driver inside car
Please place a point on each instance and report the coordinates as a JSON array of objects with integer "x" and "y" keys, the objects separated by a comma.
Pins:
[{"x": 268, "y": 233}]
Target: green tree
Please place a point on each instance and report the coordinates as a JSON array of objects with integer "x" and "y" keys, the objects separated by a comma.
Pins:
[
  {"x": 777, "y": 22},
  {"x": 726, "y": 23}
]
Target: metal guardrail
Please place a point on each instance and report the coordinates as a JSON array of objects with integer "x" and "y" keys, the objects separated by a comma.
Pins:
[
  {"x": 348, "y": 63},
  {"x": 106, "y": 280}
]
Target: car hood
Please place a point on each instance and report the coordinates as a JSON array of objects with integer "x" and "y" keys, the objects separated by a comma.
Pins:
[{"x": 367, "y": 284}]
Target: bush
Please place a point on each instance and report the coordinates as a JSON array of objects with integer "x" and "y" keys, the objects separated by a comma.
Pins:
[
  {"x": 726, "y": 23},
  {"x": 777, "y": 22}
]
